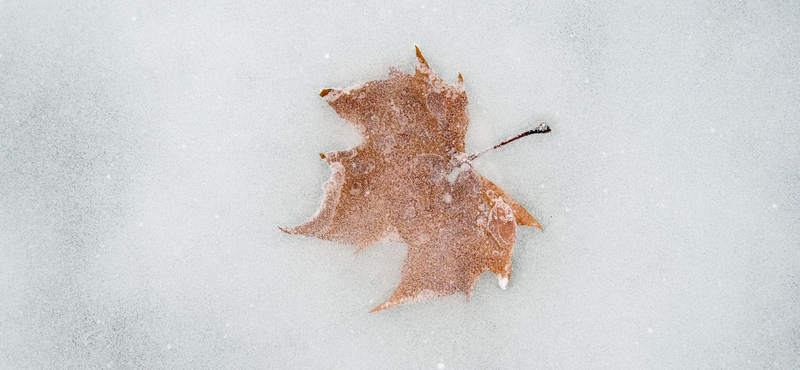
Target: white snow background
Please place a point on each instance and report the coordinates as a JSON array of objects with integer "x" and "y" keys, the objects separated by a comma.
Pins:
[{"x": 149, "y": 151}]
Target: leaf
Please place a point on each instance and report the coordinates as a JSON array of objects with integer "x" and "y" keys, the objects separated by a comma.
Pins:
[{"x": 395, "y": 186}]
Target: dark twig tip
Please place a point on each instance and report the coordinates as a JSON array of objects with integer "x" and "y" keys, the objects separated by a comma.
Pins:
[{"x": 543, "y": 128}]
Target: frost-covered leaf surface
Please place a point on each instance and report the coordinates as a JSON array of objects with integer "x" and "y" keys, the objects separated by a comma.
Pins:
[
  {"x": 409, "y": 180},
  {"x": 149, "y": 150}
]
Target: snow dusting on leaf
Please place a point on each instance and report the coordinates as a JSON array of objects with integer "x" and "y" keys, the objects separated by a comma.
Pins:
[{"x": 395, "y": 186}]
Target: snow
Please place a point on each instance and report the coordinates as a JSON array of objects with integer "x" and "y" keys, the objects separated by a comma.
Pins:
[
  {"x": 137, "y": 272},
  {"x": 502, "y": 281}
]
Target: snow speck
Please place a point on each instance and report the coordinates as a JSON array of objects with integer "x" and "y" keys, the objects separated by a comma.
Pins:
[
  {"x": 503, "y": 282},
  {"x": 440, "y": 366},
  {"x": 650, "y": 330},
  {"x": 327, "y": 56},
  {"x": 216, "y": 216},
  {"x": 134, "y": 18},
  {"x": 108, "y": 176},
  {"x": 774, "y": 205}
]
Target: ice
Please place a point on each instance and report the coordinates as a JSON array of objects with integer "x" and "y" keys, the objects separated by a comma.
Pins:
[
  {"x": 134, "y": 271},
  {"x": 503, "y": 282}
]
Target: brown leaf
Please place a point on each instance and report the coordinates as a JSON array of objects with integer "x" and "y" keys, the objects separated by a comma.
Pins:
[{"x": 395, "y": 186}]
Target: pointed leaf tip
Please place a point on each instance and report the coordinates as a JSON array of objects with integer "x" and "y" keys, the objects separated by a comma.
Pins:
[
  {"x": 419, "y": 55},
  {"x": 460, "y": 77},
  {"x": 324, "y": 92},
  {"x": 382, "y": 307}
]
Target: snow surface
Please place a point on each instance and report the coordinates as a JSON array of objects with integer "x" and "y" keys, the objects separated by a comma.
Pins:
[{"x": 150, "y": 150}]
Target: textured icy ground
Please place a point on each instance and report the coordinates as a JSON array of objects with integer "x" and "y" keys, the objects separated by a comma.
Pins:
[{"x": 149, "y": 152}]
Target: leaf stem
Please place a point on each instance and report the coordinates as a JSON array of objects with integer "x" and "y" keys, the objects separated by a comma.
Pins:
[{"x": 541, "y": 129}]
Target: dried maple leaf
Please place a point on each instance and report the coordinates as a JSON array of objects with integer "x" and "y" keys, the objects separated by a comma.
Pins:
[{"x": 395, "y": 186}]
